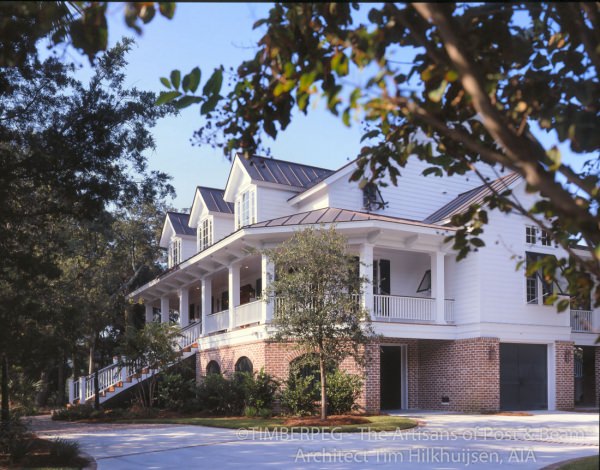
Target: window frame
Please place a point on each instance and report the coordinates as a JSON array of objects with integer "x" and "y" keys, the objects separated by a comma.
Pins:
[
  {"x": 245, "y": 208},
  {"x": 205, "y": 233}
]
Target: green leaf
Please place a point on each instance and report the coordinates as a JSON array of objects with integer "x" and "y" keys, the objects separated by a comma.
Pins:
[
  {"x": 193, "y": 79},
  {"x": 186, "y": 101},
  {"x": 166, "y": 97},
  {"x": 167, "y": 9},
  {"x": 165, "y": 81},
  {"x": 176, "y": 78},
  {"x": 213, "y": 84},
  {"x": 478, "y": 242},
  {"x": 554, "y": 155},
  {"x": 437, "y": 94},
  {"x": 210, "y": 104}
]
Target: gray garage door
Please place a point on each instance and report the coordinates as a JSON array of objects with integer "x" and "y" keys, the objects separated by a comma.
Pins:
[{"x": 523, "y": 376}]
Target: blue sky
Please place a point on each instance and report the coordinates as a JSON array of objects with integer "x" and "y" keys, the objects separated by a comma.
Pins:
[{"x": 208, "y": 35}]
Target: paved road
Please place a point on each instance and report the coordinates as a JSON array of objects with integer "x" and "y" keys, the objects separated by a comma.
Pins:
[{"x": 443, "y": 441}]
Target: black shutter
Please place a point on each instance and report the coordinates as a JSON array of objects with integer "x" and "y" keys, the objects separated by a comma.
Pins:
[{"x": 384, "y": 276}]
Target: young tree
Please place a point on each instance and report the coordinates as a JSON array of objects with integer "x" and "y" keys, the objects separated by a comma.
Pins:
[
  {"x": 317, "y": 289},
  {"x": 482, "y": 82},
  {"x": 154, "y": 346}
]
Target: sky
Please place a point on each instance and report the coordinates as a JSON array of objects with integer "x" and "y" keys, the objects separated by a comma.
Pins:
[{"x": 208, "y": 35}]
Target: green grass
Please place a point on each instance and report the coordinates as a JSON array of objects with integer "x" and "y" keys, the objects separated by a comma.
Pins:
[
  {"x": 586, "y": 463},
  {"x": 376, "y": 423}
]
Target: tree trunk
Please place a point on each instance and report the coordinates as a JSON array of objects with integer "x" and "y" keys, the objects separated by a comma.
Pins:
[
  {"x": 96, "y": 390},
  {"x": 323, "y": 387},
  {"x": 61, "y": 381},
  {"x": 4, "y": 388},
  {"x": 91, "y": 358},
  {"x": 41, "y": 397}
]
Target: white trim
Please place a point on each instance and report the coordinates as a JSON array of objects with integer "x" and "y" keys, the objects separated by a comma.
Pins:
[{"x": 551, "y": 375}]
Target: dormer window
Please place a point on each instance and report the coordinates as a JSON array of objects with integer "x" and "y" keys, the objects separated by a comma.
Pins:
[
  {"x": 535, "y": 235},
  {"x": 245, "y": 209},
  {"x": 372, "y": 199},
  {"x": 205, "y": 233},
  {"x": 174, "y": 252}
]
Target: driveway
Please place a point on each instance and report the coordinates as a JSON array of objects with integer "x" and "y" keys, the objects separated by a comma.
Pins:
[{"x": 443, "y": 441}]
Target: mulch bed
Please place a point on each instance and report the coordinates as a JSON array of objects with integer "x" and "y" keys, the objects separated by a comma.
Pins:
[
  {"x": 510, "y": 413},
  {"x": 336, "y": 420}
]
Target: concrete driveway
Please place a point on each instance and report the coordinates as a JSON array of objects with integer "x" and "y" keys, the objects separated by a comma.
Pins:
[{"x": 443, "y": 441}]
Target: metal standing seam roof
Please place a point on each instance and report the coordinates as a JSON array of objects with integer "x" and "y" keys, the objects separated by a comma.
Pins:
[
  {"x": 180, "y": 223},
  {"x": 286, "y": 173},
  {"x": 474, "y": 196},
  {"x": 214, "y": 201},
  {"x": 331, "y": 215}
]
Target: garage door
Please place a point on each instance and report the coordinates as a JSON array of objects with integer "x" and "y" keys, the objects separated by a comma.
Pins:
[{"x": 523, "y": 376}]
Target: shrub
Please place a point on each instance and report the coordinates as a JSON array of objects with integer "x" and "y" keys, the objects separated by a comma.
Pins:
[
  {"x": 250, "y": 412},
  {"x": 176, "y": 389},
  {"x": 300, "y": 395},
  {"x": 63, "y": 452},
  {"x": 15, "y": 441},
  {"x": 342, "y": 392},
  {"x": 220, "y": 396},
  {"x": 259, "y": 389},
  {"x": 73, "y": 413},
  {"x": 265, "y": 413}
]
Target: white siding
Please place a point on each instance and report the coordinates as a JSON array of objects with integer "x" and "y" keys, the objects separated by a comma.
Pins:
[
  {"x": 188, "y": 247},
  {"x": 273, "y": 203},
  {"x": 223, "y": 225},
  {"x": 463, "y": 284},
  {"x": 503, "y": 287}
]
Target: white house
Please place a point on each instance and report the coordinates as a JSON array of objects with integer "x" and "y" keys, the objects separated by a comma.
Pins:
[{"x": 468, "y": 335}]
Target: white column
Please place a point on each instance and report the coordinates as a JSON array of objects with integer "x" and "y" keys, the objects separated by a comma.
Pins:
[
  {"x": 365, "y": 271},
  {"x": 82, "y": 389},
  {"x": 267, "y": 274},
  {"x": 164, "y": 310},
  {"x": 149, "y": 312},
  {"x": 184, "y": 307},
  {"x": 234, "y": 292},
  {"x": 437, "y": 285},
  {"x": 71, "y": 385},
  {"x": 206, "y": 301}
]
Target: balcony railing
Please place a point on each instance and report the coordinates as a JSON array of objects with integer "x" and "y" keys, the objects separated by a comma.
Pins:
[
  {"x": 248, "y": 313},
  {"x": 449, "y": 310},
  {"x": 400, "y": 308},
  {"x": 581, "y": 321},
  {"x": 217, "y": 321}
]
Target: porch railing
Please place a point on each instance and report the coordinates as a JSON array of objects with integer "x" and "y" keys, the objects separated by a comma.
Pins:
[
  {"x": 581, "y": 320},
  {"x": 449, "y": 310},
  {"x": 248, "y": 313},
  {"x": 217, "y": 321},
  {"x": 400, "y": 308}
]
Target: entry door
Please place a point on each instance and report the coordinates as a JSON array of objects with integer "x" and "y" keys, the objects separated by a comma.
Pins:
[
  {"x": 391, "y": 377},
  {"x": 523, "y": 376}
]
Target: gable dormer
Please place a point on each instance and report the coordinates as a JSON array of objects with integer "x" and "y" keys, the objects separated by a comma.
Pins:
[
  {"x": 211, "y": 217},
  {"x": 261, "y": 187},
  {"x": 178, "y": 238}
]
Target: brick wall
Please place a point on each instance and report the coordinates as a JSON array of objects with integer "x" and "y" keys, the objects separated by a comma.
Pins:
[
  {"x": 565, "y": 377},
  {"x": 227, "y": 356},
  {"x": 466, "y": 371}
]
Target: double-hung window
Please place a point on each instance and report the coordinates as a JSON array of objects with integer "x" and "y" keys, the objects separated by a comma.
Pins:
[
  {"x": 205, "y": 233},
  {"x": 245, "y": 208},
  {"x": 535, "y": 236},
  {"x": 174, "y": 252}
]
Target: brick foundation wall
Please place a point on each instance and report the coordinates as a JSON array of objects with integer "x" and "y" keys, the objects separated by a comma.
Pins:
[
  {"x": 597, "y": 374},
  {"x": 466, "y": 371},
  {"x": 227, "y": 356},
  {"x": 565, "y": 377}
]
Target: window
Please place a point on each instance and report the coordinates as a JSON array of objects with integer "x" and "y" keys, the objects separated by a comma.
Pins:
[
  {"x": 372, "y": 199},
  {"x": 174, "y": 252},
  {"x": 533, "y": 235},
  {"x": 245, "y": 209},
  {"x": 536, "y": 282},
  {"x": 381, "y": 276},
  {"x": 213, "y": 368},
  {"x": 425, "y": 284},
  {"x": 244, "y": 364},
  {"x": 205, "y": 233}
]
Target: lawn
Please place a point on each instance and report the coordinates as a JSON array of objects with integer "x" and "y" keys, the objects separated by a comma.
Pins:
[
  {"x": 370, "y": 423},
  {"x": 586, "y": 463}
]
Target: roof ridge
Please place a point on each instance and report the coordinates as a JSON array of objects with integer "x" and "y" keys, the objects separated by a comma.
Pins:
[
  {"x": 210, "y": 187},
  {"x": 279, "y": 160}
]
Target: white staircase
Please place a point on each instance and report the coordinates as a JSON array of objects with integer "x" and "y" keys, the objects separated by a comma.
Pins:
[{"x": 115, "y": 378}]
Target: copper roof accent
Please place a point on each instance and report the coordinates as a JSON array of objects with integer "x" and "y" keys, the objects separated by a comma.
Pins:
[
  {"x": 332, "y": 215},
  {"x": 180, "y": 223},
  {"x": 286, "y": 173},
  {"x": 214, "y": 200},
  {"x": 474, "y": 196}
]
